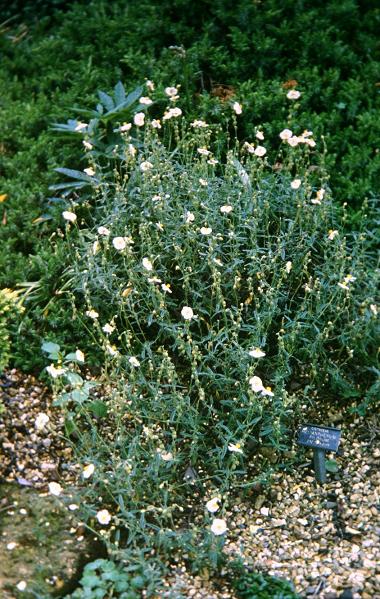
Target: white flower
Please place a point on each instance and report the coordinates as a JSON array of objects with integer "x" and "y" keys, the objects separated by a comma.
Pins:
[
  {"x": 87, "y": 145},
  {"x": 226, "y": 209},
  {"x": 218, "y": 526},
  {"x": 95, "y": 247},
  {"x": 12, "y": 545},
  {"x": 103, "y": 231},
  {"x": 88, "y": 471},
  {"x": 132, "y": 150},
  {"x": 199, "y": 123},
  {"x": 344, "y": 286},
  {"x": 187, "y": 313},
  {"x": 332, "y": 234},
  {"x": 145, "y": 100},
  {"x": 310, "y": 142},
  {"x": 156, "y": 124},
  {"x": 139, "y": 119},
  {"x": 205, "y": 230},
  {"x": 172, "y": 113},
  {"x": 256, "y": 384},
  {"x": 235, "y": 448},
  {"x": 286, "y": 134},
  {"x": 212, "y": 161},
  {"x": 89, "y": 171},
  {"x": 79, "y": 355},
  {"x": 111, "y": 350},
  {"x": 55, "y": 372},
  {"x": 147, "y": 264},
  {"x": 321, "y": 193},
  {"x": 237, "y": 108},
  {"x": 218, "y": 262},
  {"x": 108, "y": 329},
  {"x": 190, "y": 218},
  {"x": 80, "y": 126},
  {"x": 213, "y": 505},
  {"x": 167, "y": 456},
  {"x": 373, "y": 309},
  {"x": 55, "y": 489},
  {"x": 296, "y": 183},
  {"x": 166, "y": 288},
  {"x": 260, "y": 135},
  {"x": 260, "y": 151},
  {"x": 119, "y": 243},
  {"x": 146, "y": 166},
  {"x": 203, "y": 151},
  {"x": 293, "y": 141},
  {"x": 73, "y": 507},
  {"x": 171, "y": 91},
  {"x": 41, "y": 421},
  {"x": 150, "y": 85},
  {"x": 288, "y": 266},
  {"x": 256, "y": 352},
  {"x": 92, "y": 314},
  {"x": 319, "y": 196},
  {"x": 249, "y": 147},
  {"x": 125, "y": 127},
  {"x": 134, "y": 362},
  {"x": 70, "y": 216},
  {"x": 267, "y": 391},
  {"x": 203, "y": 182},
  {"x": 293, "y": 94},
  {"x": 21, "y": 586},
  {"x": 103, "y": 517}
]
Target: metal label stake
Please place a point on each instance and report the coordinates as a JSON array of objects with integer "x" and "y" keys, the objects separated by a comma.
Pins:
[{"x": 320, "y": 439}]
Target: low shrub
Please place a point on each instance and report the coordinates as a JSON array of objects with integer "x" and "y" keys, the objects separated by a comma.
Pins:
[
  {"x": 223, "y": 298},
  {"x": 10, "y": 310}
]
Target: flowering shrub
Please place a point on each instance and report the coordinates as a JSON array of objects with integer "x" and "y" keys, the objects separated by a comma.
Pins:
[
  {"x": 225, "y": 301},
  {"x": 10, "y": 308}
]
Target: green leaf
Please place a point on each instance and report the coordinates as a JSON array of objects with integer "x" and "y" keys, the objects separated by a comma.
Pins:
[
  {"x": 106, "y": 100},
  {"x": 72, "y": 357},
  {"x": 74, "y": 174},
  {"x": 62, "y": 399},
  {"x": 79, "y": 396},
  {"x": 74, "y": 379},
  {"x": 69, "y": 185},
  {"x": 50, "y": 348},
  {"x": 119, "y": 92},
  {"x": 133, "y": 96},
  {"x": 98, "y": 407},
  {"x": 332, "y": 466},
  {"x": 70, "y": 426}
]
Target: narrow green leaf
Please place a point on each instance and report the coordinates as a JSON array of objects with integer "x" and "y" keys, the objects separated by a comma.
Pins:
[
  {"x": 119, "y": 92},
  {"x": 106, "y": 100},
  {"x": 74, "y": 174}
]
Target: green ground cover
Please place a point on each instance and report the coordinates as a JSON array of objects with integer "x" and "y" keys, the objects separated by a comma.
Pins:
[{"x": 206, "y": 245}]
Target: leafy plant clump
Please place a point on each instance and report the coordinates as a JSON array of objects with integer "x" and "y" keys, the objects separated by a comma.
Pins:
[
  {"x": 103, "y": 578},
  {"x": 255, "y": 585},
  {"x": 220, "y": 292},
  {"x": 10, "y": 309}
]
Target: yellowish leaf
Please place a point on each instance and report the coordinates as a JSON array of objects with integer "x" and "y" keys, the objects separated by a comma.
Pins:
[
  {"x": 126, "y": 292},
  {"x": 3, "y": 197}
]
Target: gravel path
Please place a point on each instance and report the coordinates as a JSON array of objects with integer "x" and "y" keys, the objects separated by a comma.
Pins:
[{"x": 323, "y": 538}]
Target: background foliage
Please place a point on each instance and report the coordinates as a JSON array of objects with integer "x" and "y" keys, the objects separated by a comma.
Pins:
[{"x": 212, "y": 50}]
